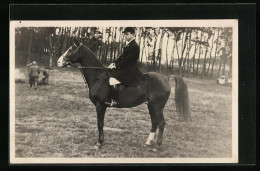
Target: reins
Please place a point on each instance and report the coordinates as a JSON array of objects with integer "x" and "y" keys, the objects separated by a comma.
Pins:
[
  {"x": 88, "y": 67},
  {"x": 80, "y": 68}
]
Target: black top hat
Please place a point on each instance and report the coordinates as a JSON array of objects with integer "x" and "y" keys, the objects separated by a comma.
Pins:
[{"x": 129, "y": 29}]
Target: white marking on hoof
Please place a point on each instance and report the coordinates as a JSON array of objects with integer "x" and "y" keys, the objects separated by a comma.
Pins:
[
  {"x": 154, "y": 150},
  {"x": 150, "y": 138},
  {"x": 95, "y": 147}
]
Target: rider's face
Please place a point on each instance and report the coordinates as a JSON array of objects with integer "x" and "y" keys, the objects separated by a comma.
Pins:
[{"x": 128, "y": 36}]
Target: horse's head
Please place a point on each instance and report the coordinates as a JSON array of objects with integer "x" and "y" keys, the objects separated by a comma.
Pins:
[{"x": 70, "y": 56}]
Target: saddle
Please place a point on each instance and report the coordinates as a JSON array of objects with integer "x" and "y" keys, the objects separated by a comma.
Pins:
[
  {"x": 140, "y": 80},
  {"x": 117, "y": 89}
]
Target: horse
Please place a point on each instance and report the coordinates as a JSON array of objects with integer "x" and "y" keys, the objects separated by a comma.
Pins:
[{"x": 154, "y": 91}]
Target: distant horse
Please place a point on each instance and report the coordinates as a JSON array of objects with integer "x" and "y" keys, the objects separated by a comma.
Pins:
[{"x": 153, "y": 90}]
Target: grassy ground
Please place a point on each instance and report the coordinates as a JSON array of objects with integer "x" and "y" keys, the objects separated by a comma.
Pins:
[{"x": 60, "y": 121}]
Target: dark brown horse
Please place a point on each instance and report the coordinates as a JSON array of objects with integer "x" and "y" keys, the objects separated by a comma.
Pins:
[{"x": 153, "y": 90}]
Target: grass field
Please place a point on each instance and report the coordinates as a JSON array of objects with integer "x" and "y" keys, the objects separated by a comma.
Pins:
[{"x": 59, "y": 120}]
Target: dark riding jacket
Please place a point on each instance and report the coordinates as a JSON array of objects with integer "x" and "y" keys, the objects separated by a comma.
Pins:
[
  {"x": 127, "y": 71},
  {"x": 34, "y": 71}
]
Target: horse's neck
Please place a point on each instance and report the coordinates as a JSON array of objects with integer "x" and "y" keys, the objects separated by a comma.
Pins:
[
  {"x": 91, "y": 67},
  {"x": 91, "y": 75},
  {"x": 89, "y": 59}
]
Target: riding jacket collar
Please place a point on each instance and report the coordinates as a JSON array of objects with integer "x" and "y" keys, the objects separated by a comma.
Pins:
[{"x": 127, "y": 43}]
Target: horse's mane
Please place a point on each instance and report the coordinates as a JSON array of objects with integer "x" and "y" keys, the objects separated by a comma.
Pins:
[{"x": 92, "y": 57}]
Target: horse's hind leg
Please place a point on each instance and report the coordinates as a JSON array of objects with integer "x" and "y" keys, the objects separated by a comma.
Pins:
[
  {"x": 154, "y": 120},
  {"x": 161, "y": 128},
  {"x": 156, "y": 114}
]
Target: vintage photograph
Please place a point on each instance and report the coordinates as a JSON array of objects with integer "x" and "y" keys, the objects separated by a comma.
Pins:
[{"x": 124, "y": 91}]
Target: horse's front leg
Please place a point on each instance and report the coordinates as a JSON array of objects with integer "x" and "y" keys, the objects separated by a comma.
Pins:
[{"x": 101, "y": 109}]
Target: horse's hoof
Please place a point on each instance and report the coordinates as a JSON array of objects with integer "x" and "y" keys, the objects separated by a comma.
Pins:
[
  {"x": 150, "y": 144},
  {"x": 97, "y": 146},
  {"x": 159, "y": 143}
]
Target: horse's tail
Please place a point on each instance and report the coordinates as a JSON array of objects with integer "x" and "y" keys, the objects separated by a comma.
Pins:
[{"x": 182, "y": 98}]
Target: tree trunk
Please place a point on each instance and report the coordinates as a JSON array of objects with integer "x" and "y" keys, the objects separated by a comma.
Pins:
[
  {"x": 115, "y": 43},
  {"x": 29, "y": 46},
  {"x": 176, "y": 45},
  {"x": 205, "y": 60},
  {"x": 111, "y": 45},
  {"x": 193, "y": 59},
  {"x": 188, "y": 62},
  {"x": 187, "y": 52},
  {"x": 166, "y": 62},
  {"x": 172, "y": 58},
  {"x": 119, "y": 44},
  {"x": 198, "y": 62},
  {"x": 64, "y": 43},
  {"x": 143, "y": 51},
  {"x": 51, "y": 51},
  {"x": 230, "y": 67},
  {"x": 160, "y": 50},
  {"x": 212, "y": 67},
  {"x": 183, "y": 49},
  {"x": 210, "y": 54},
  {"x": 219, "y": 68},
  {"x": 154, "y": 55},
  {"x": 224, "y": 66},
  {"x": 69, "y": 40},
  {"x": 204, "y": 64}
]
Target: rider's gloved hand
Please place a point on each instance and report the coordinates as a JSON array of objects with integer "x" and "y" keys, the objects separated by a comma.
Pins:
[{"x": 112, "y": 65}]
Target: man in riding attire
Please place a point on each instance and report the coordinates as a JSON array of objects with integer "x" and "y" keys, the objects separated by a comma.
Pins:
[
  {"x": 33, "y": 73},
  {"x": 125, "y": 69}
]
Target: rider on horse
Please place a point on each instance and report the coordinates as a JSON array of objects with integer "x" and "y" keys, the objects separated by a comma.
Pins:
[{"x": 125, "y": 69}]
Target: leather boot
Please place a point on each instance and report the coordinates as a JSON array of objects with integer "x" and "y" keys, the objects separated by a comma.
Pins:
[{"x": 114, "y": 95}]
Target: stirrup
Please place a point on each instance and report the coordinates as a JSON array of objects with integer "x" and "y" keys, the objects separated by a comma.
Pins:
[{"x": 112, "y": 104}]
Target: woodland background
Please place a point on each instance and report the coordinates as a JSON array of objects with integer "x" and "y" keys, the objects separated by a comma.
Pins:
[{"x": 202, "y": 52}]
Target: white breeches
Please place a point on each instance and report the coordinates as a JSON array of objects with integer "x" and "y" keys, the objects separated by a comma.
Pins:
[{"x": 113, "y": 81}]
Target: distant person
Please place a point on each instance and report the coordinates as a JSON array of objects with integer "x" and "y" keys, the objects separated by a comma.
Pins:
[
  {"x": 45, "y": 79},
  {"x": 33, "y": 73},
  {"x": 28, "y": 66}
]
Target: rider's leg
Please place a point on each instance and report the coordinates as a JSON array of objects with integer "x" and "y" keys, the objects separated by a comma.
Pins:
[{"x": 114, "y": 92}]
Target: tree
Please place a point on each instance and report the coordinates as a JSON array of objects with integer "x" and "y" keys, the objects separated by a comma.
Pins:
[
  {"x": 206, "y": 45},
  {"x": 227, "y": 51},
  {"x": 30, "y": 32},
  {"x": 211, "y": 48},
  {"x": 196, "y": 39},
  {"x": 216, "y": 49},
  {"x": 200, "y": 52}
]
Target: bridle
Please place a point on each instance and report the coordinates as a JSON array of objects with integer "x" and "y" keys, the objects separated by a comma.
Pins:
[
  {"x": 81, "y": 67},
  {"x": 69, "y": 63}
]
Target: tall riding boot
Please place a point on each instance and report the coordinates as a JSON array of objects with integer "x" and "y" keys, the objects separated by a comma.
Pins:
[{"x": 114, "y": 95}]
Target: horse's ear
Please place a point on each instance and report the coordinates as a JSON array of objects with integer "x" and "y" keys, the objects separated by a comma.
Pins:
[{"x": 76, "y": 41}]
